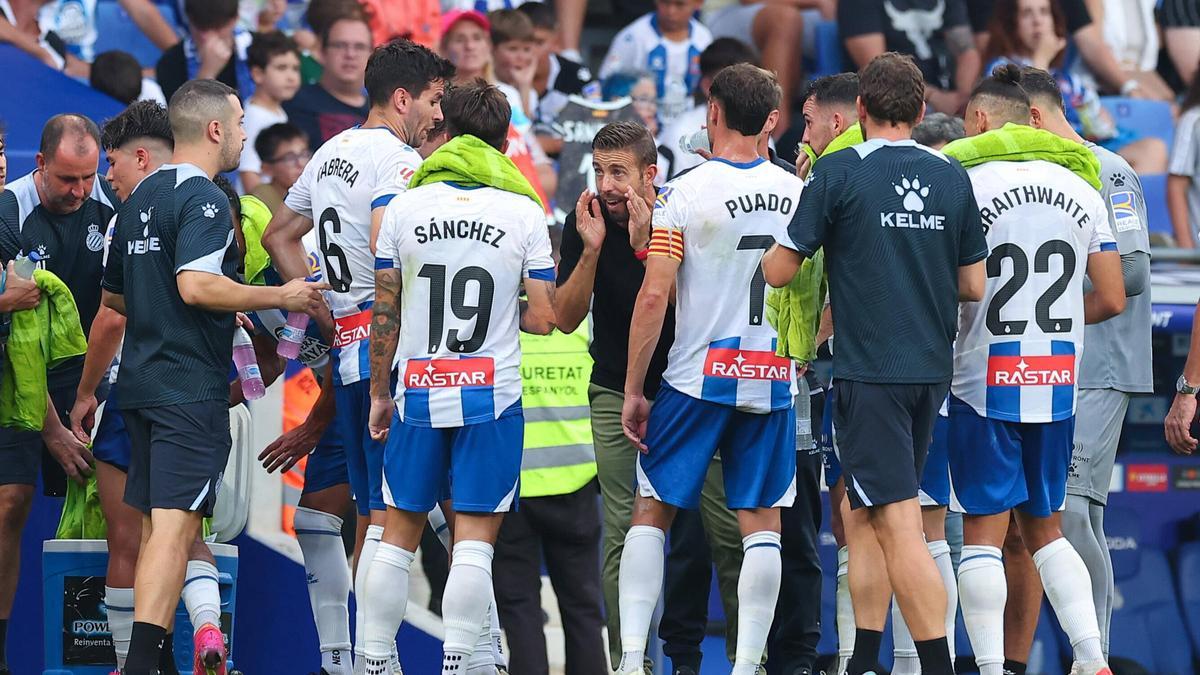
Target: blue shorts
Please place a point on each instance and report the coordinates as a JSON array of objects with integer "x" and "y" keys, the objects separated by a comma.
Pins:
[
  {"x": 482, "y": 461},
  {"x": 364, "y": 457},
  {"x": 326, "y": 465},
  {"x": 832, "y": 465},
  {"x": 111, "y": 444},
  {"x": 996, "y": 465},
  {"x": 758, "y": 453},
  {"x": 935, "y": 478}
]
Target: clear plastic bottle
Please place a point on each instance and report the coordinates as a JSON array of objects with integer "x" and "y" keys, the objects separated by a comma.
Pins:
[
  {"x": 24, "y": 265},
  {"x": 694, "y": 141},
  {"x": 247, "y": 365}
]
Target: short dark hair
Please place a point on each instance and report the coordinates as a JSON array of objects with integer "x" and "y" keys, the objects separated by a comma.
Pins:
[
  {"x": 210, "y": 14},
  {"x": 722, "y": 53},
  {"x": 627, "y": 135},
  {"x": 267, "y": 46},
  {"x": 509, "y": 25},
  {"x": 747, "y": 95},
  {"x": 404, "y": 64},
  {"x": 1041, "y": 85},
  {"x": 76, "y": 127},
  {"x": 322, "y": 14},
  {"x": 235, "y": 202},
  {"x": 541, "y": 14},
  {"x": 839, "y": 89},
  {"x": 117, "y": 74},
  {"x": 195, "y": 104},
  {"x": 938, "y": 127},
  {"x": 143, "y": 119},
  {"x": 478, "y": 109},
  {"x": 892, "y": 88},
  {"x": 1004, "y": 85},
  {"x": 268, "y": 141}
]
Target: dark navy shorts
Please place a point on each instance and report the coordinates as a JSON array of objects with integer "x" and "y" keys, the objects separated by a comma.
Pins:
[{"x": 178, "y": 456}]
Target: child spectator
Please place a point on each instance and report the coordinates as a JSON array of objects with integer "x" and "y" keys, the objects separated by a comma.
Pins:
[
  {"x": 557, "y": 77},
  {"x": 1183, "y": 183},
  {"x": 667, "y": 43},
  {"x": 215, "y": 49},
  {"x": 275, "y": 66},
  {"x": 284, "y": 152},
  {"x": 119, "y": 75},
  {"x": 514, "y": 58}
]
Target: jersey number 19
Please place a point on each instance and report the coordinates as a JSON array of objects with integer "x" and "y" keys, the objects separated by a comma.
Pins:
[{"x": 481, "y": 310}]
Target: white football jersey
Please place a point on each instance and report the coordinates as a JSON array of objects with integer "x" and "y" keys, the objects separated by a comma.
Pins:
[
  {"x": 718, "y": 220},
  {"x": 1018, "y": 350},
  {"x": 348, "y": 177},
  {"x": 462, "y": 252}
]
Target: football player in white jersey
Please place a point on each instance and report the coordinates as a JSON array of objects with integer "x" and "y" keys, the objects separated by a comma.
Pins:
[
  {"x": 464, "y": 248},
  {"x": 1012, "y": 406},
  {"x": 724, "y": 385},
  {"x": 344, "y": 189}
]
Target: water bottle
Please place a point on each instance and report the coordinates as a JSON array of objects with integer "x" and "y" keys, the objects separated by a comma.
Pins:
[
  {"x": 690, "y": 143},
  {"x": 292, "y": 335},
  {"x": 24, "y": 265},
  {"x": 247, "y": 365}
]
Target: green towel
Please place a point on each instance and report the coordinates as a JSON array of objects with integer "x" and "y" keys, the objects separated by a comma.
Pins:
[
  {"x": 255, "y": 217},
  {"x": 82, "y": 517},
  {"x": 853, "y": 135},
  {"x": 1019, "y": 143},
  {"x": 41, "y": 338},
  {"x": 469, "y": 161}
]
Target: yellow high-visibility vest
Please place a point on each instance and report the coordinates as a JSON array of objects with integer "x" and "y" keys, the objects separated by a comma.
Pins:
[{"x": 555, "y": 372}]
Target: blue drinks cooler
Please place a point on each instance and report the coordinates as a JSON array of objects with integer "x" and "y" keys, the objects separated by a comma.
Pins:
[{"x": 76, "y": 621}]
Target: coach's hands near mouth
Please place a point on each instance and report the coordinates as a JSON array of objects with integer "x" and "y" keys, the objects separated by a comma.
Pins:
[
  {"x": 299, "y": 295},
  {"x": 1178, "y": 424},
  {"x": 634, "y": 414},
  {"x": 639, "y": 220},
  {"x": 589, "y": 222},
  {"x": 380, "y": 420}
]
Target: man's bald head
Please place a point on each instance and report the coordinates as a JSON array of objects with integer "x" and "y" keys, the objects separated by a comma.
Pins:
[
  {"x": 998, "y": 100},
  {"x": 196, "y": 105},
  {"x": 75, "y": 133}
]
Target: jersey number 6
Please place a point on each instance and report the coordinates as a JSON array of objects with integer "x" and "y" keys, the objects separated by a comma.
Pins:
[{"x": 337, "y": 272}]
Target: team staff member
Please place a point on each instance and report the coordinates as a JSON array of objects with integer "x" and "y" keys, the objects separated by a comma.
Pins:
[
  {"x": 893, "y": 363},
  {"x": 170, "y": 272},
  {"x": 58, "y": 213},
  {"x": 601, "y": 268}
]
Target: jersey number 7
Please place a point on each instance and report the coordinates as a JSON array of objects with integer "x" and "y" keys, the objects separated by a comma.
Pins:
[{"x": 758, "y": 283}]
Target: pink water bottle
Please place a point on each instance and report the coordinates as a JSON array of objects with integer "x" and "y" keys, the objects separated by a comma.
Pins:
[
  {"x": 247, "y": 365},
  {"x": 292, "y": 335}
]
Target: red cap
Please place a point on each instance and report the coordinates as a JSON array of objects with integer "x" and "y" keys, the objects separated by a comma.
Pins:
[{"x": 455, "y": 15}]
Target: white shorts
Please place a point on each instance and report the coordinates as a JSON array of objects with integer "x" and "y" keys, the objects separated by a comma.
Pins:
[{"x": 1099, "y": 415}]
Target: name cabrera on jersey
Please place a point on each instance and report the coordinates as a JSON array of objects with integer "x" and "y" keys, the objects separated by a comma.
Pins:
[
  {"x": 348, "y": 177},
  {"x": 1018, "y": 350},
  {"x": 718, "y": 220},
  {"x": 462, "y": 253}
]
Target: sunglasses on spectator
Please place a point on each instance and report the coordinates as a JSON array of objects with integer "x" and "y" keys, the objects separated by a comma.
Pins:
[{"x": 296, "y": 158}]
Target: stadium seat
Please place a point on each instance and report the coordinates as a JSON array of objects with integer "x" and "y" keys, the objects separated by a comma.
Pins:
[
  {"x": 828, "y": 50},
  {"x": 1147, "y": 625},
  {"x": 116, "y": 30},
  {"x": 1147, "y": 118},
  {"x": 1189, "y": 589},
  {"x": 1154, "y": 191}
]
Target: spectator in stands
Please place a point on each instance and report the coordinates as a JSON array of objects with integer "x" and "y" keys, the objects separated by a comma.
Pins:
[
  {"x": 337, "y": 101},
  {"x": 119, "y": 75},
  {"x": 318, "y": 16},
  {"x": 275, "y": 66},
  {"x": 284, "y": 152},
  {"x": 1033, "y": 33},
  {"x": 1181, "y": 33},
  {"x": 938, "y": 129},
  {"x": 1132, "y": 34},
  {"x": 416, "y": 20},
  {"x": 666, "y": 42},
  {"x": 75, "y": 23},
  {"x": 721, "y": 53},
  {"x": 514, "y": 58},
  {"x": 557, "y": 76},
  {"x": 1183, "y": 183},
  {"x": 20, "y": 27},
  {"x": 639, "y": 88},
  {"x": 936, "y": 33},
  {"x": 215, "y": 49}
]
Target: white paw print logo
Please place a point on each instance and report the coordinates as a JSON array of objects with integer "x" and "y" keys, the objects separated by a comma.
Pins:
[
  {"x": 912, "y": 191},
  {"x": 145, "y": 216},
  {"x": 210, "y": 210}
]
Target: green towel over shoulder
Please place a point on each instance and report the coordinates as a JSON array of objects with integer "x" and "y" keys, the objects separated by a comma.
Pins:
[
  {"x": 41, "y": 338},
  {"x": 1019, "y": 143},
  {"x": 467, "y": 160}
]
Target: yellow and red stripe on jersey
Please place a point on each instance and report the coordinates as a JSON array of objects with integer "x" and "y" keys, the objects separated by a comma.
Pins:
[{"x": 667, "y": 242}]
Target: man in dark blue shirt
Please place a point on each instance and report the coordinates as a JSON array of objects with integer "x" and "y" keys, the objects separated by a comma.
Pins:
[
  {"x": 904, "y": 243},
  {"x": 170, "y": 271}
]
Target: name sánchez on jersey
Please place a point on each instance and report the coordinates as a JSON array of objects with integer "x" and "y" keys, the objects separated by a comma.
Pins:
[
  {"x": 1031, "y": 194},
  {"x": 336, "y": 167},
  {"x": 460, "y": 229}
]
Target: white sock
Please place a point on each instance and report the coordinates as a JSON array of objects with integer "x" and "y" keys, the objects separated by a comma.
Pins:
[
  {"x": 845, "y": 611},
  {"x": 320, "y": 537},
  {"x": 982, "y": 590},
  {"x": 437, "y": 521},
  {"x": 386, "y": 600},
  {"x": 639, "y": 585},
  {"x": 758, "y": 591},
  {"x": 202, "y": 594},
  {"x": 365, "y": 556},
  {"x": 465, "y": 602},
  {"x": 904, "y": 649},
  {"x": 1069, "y": 588},
  {"x": 940, "y": 550},
  {"x": 482, "y": 662},
  {"x": 498, "y": 655},
  {"x": 119, "y": 602}
]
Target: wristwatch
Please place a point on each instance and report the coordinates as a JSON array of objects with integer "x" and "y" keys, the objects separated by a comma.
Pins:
[{"x": 1182, "y": 386}]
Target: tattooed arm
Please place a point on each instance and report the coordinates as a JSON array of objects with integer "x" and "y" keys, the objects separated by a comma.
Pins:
[{"x": 385, "y": 334}]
